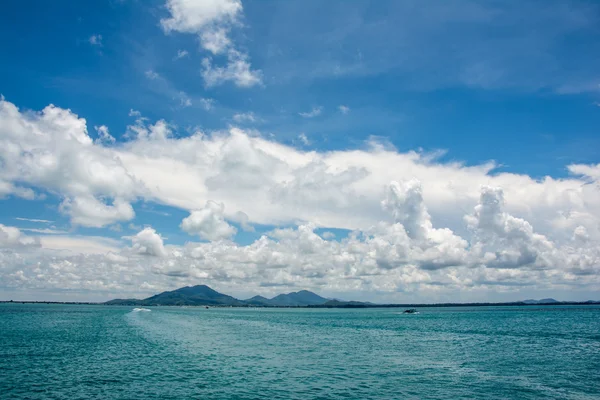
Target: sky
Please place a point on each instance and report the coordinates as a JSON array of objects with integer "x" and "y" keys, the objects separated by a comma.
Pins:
[{"x": 389, "y": 151}]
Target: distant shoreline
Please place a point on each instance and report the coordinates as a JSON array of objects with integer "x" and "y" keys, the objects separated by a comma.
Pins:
[{"x": 407, "y": 305}]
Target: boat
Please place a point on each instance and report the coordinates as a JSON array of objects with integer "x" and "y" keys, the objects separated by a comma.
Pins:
[{"x": 411, "y": 311}]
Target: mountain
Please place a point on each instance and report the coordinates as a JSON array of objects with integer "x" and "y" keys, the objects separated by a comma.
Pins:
[
  {"x": 199, "y": 295},
  {"x": 345, "y": 304},
  {"x": 202, "y": 295},
  {"x": 193, "y": 295},
  {"x": 258, "y": 301},
  {"x": 124, "y": 302},
  {"x": 294, "y": 299},
  {"x": 541, "y": 301}
]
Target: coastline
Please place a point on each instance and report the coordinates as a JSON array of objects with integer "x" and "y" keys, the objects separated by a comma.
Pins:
[{"x": 403, "y": 305}]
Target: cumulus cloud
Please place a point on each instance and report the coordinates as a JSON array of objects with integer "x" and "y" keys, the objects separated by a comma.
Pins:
[
  {"x": 208, "y": 222},
  {"x": 245, "y": 117},
  {"x": 141, "y": 131},
  {"x": 61, "y": 246},
  {"x": 148, "y": 242},
  {"x": 303, "y": 139},
  {"x": 184, "y": 100},
  {"x": 212, "y": 21},
  {"x": 181, "y": 54},
  {"x": 152, "y": 75},
  {"x": 52, "y": 150},
  {"x": 590, "y": 171},
  {"x": 503, "y": 241},
  {"x": 12, "y": 237},
  {"x": 328, "y": 235},
  {"x": 103, "y": 135},
  {"x": 92, "y": 212},
  {"x": 344, "y": 109},
  {"x": 405, "y": 203},
  {"x": 417, "y": 225},
  {"x": 7, "y": 188},
  {"x": 315, "y": 112},
  {"x": 193, "y": 16},
  {"x": 382, "y": 260},
  {"x": 95, "y": 40},
  {"x": 207, "y": 104},
  {"x": 242, "y": 218},
  {"x": 237, "y": 70},
  {"x": 216, "y": 41}
]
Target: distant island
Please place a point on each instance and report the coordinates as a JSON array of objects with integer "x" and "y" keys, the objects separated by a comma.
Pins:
[{"x": 202, "y": 295}]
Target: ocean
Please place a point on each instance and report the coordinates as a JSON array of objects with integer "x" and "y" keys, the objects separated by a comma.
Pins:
[{"x": 101, "y": 352}]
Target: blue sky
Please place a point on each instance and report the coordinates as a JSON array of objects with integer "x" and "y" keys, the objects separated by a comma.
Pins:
[
  {"x": 443, "y": 90},
  {"x": 536, "y": 122}
]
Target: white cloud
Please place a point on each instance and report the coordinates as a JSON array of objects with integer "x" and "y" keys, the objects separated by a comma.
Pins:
[
  {"x": 337, "y": 189},
  {"x": 193, "y": 16},
  {"x": 212, "y": 21},
  {"x": 152, "y": 75},
  {"x": 134, "y": 227},
  {"x": 103, "y": 135},
  {"x": 344, "y": 109},
  {"x": 184, "y": 100},
  {"x": 7, "y": 188},
  {"x": 148, "y": 242},
  {"x": 12, "y": 237},
  {"x": 65, "y": 246},
  {"x": 503, "y": 241},
  {"x": 116, "y": 228},
  {"x": 52, "y": 150},
  {"x": 95, "y": 40},
  {"x": 248, "y": 117},
  {"x": 45, "y": 231},
  {"x": 315, "y": 112},
  {"x": 181, "y": 54},
  {"x": 216, "y": 41},
  {"x": 238, "y": 71},
  {"x": 208, "y": 223},
  {"x": 43, "y": 221},
  {"x": 590, "y": 171},
  {"x": 384, "y": 261},
  {"x": 405, "y": 203},
  {"x": 160, "y": 131},
  {"x": 242, "y": 218},
  {"x": 540, "y": 234},
  {"x": 91, "y": 212},
  {"x": 328, "y": 235},
  {"x": 207, "y": 104},
  {"x": 302, "y": 137}
]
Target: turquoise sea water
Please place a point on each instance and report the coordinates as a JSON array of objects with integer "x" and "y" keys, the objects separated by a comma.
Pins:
[{"x": 99, "y": 352}]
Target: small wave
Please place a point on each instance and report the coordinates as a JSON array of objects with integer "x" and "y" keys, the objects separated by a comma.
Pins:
[{"x": 141, "y": 309}]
